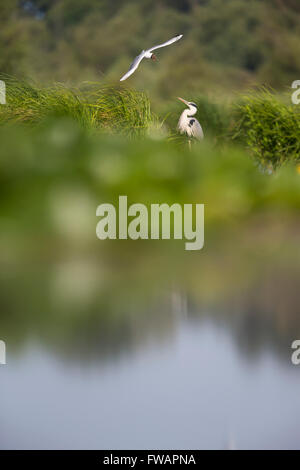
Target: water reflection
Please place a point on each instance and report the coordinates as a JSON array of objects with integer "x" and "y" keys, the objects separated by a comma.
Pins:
[
  {"x": 151, "y": 349},
  {"x": 192, "y": 391},
  {"x": 98, "y": 306}
]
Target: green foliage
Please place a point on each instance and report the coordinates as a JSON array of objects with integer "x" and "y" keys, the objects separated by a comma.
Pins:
[
  {"x": 270, "y": 128},
  {"x": 123, "y": 110},
  {"x": 110, "y": 109},
  {"x": 231, "y": 32},
  {"x": 12, "y": 38},
  {"x": 227, "y": 44}
]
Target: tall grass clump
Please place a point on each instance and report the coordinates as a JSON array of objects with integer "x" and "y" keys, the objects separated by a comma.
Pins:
[
  {"x": 269, "y": 127},
  {"x": 123, "y": 110},
  {"x": 109, "y": 109},
  {"x": 28, "y": 103}
]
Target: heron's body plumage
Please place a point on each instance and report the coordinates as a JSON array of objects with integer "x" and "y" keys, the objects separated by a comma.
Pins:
[{"x": 188, "y": 124}]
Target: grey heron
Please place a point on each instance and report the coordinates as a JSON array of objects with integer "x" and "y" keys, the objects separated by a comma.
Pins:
[
  {"x": 188, "y": 124},
  {"x": 148, "y": 54}
]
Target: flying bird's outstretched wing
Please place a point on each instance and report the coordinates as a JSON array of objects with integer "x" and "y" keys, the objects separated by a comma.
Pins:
[
  {"x": 140, "y": 57},
  {"x": 167, "y": 43},
  {"x": 134, "y": 66}
]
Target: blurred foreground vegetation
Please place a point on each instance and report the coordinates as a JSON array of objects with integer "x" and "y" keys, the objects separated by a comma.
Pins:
[{"x": 86, "y": 296}]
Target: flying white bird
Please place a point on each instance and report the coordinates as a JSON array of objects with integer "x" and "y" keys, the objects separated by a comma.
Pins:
[
  {"x": 148, "y": 54},
  {"x": 188, "y": 124}
]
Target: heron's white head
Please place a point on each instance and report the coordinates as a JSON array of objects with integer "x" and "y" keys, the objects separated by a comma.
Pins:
[{"x": 190, "y": 104}]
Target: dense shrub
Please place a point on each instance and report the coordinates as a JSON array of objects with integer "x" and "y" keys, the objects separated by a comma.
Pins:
[{"x": 269, "y": 127}]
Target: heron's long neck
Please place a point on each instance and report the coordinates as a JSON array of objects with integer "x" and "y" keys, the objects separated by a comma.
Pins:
[
  {"x": 191, "y": 111},
  {"x": 187, "y": 113}
]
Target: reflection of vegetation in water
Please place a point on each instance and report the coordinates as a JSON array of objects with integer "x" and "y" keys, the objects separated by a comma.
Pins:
[
  {"x": 60, "y": 283},
  {"x": 117, "y": 298}
]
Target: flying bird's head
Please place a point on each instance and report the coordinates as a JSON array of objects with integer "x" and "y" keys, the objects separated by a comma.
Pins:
[{"x": 153, "y": 57}]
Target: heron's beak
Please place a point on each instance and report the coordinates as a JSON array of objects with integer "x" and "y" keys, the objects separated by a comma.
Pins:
[{"x": 184, "y": 101}]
